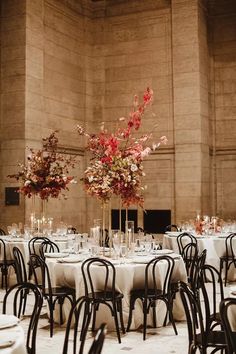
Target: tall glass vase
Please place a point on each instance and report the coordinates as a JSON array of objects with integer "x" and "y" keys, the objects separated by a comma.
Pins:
[{"x": 32, "y": 214}]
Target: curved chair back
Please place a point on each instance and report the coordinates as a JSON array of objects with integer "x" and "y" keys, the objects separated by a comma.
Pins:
[
  {"x": 171, "y": 227},
  {"x": 36, "y": 241},
  {"x": 107, "y": 280},
  {"x": 230, "y": 247},
  {"x": 152, "y": 276},
  {"x": 210, "y": 294},
  {"x": 46, "y": 247},
  {"x": 21, "y": 273},
  {"x": 2, "y": 232},
  {"x": 17, "y": 290},
  {"x": 227, "y": 313},
  {"x": 184, "y": 239},
  {"x": 195, "y": 271},
  {"x": 193, "y": 315},
  {"x": 40, "y": 273},
  {"x": 74, "y": 315},
  {"x": 3, "y": 255},
  {"x": 190, "y": 255}
]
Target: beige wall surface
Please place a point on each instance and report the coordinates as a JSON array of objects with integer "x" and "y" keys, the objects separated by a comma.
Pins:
[{"x": 81, "y": 62}]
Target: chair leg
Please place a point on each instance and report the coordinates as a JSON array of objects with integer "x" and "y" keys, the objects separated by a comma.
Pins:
[
  {"x": 145, "y": 311},
  {"x": 154, "y": 316},
  {"x": 119, "y": 305},
  {"x": 226, "y": 272},
  {"x": 131, "y": 307},
  {"x": 172, "y": 319},
  {"x": 116, "y": 321},
  {"x": 50, "y": 305},
  {"x": 95, "y": 309}
]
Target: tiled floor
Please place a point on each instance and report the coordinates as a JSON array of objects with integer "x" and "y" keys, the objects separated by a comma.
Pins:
[{"x": 160, "y": 340}]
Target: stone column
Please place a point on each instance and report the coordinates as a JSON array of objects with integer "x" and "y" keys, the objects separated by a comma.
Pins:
[
  {"x": 12, "y": 79},
  {"x": 190, "y": 104}
]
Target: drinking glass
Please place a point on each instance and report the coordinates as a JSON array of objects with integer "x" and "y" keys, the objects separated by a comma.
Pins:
[
  {"x": 94, "y": 250},
  {"x": 116, "y": 238},
  {"x": 123, "y": 252}
]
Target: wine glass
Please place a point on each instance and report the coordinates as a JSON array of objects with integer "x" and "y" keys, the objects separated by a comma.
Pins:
[
  {"x": 123, "y": 252},
  {"x": 116, "y": 241}
]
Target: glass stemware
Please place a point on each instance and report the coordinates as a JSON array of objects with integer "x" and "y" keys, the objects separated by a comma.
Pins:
[{"x": 123, "y": 252}]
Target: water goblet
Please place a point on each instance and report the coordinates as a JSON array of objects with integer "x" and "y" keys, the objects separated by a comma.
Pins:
[{"x": 123, "y": 252}]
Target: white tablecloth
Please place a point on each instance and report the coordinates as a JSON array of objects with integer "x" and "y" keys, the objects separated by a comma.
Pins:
[
  {"x": 16, "y": 334},
  {"x": 214, "y": 245},
  {"x": 22, "y": 244},
  {"x": 128, "y": 277}
]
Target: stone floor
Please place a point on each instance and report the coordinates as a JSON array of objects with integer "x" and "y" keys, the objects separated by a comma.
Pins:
[{"x": 160, "y": 340}]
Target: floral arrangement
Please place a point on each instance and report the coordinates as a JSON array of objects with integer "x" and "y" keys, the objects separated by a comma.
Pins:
[
  {"x": 46, "y": 172},
  {"x": 116, "y": 163}
]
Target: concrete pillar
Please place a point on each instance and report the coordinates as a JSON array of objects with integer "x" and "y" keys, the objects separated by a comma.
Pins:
[{"x": 190, "y": 101}]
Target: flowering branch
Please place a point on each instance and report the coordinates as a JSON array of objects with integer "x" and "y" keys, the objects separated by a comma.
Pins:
[
  {"x": 116, "y": 163},
  {"x": 46, "y": 171}
]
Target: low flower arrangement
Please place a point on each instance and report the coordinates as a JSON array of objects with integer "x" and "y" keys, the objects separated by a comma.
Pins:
[
  {"x": 46, "y": 173},
  {"x": 116, "y": 164}
]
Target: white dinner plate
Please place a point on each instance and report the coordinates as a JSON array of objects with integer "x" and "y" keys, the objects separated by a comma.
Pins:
[
  {"x": 56, "y": 254},
  {"x": 7, "y": 321},
  {"x": 173, "y": 233},
  {"x": 75, "y": 259},
  {"x": 6, "y": 342},
  {"x": 163, "y": 251}
]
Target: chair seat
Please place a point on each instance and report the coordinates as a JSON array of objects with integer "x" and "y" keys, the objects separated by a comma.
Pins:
[
  {"x": 140, "y": 293},
  {"x": 8, "y": 262},
  {"x": 60, "y": 291},
  {"x": 214, "y": 339},
  {"x": 108, "y": 296},
  {"x": 225, "y": 258}
]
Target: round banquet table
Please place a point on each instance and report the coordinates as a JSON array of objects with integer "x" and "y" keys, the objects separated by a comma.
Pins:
[
  {"x": 22, "y": 244},
  {"x": 214, "y": 244},
  {"x": 128, "y": 276},
  {"x": 12, "y": 340}
]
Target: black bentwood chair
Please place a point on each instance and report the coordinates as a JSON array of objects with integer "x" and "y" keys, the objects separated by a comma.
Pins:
[
  {"x": 171, "y": 227},
  {"x": 5, "y": 264},
  {"x": 227, "y": 314},
  {"x": 199, "y": 338},
  {"x": 21, "y": 274},
  {"x": 107, "y": 294},
  {"x": 51, "y": 294},
  {"x": 153, "y": 291},
  {"x": 81, "y": 304},
  {"x": 211, "y": 287},
  {"x": 16, "y": 292},
  {"x": 2, "y": 232},
  {"x": 47, "y": 247},
  {"x": 230, "y": 255}
]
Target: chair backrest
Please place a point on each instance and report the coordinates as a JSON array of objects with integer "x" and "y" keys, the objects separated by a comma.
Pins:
[
  {"x": 47, "y": 247},
  {"x": 193, "y": 314},
  {"x": 40, "y": 273},
  {"x": 2, "y": 232},
  {"x": 96, "y": 347},
  {"x": 230, "y": 246},
  {"x": 152, "y": 275},
  {"x": 227, "y": 313},
  {"x": 36, "y": 306},
  {"x": 107, "y": 276},
  {"x": 21, "y": 273},
  {"x": 190, "y": 256},
  {"x": 2, "y": 250},
  {"x": 36, "y": 241},
  {"x": 183, "y": 239},
  {"x": 210, "y": 292},
  {"x": 195, "y": 270},
  {"x": 74, "y": 315},
  {"x": 171, "y": 228}
]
